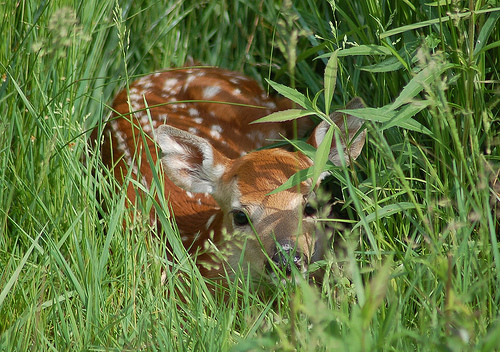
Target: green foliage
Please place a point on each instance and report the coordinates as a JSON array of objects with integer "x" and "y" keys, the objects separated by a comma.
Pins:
[{"x": 421, "y": 268}]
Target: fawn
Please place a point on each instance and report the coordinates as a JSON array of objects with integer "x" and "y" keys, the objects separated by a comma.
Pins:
[{"x": 217, "y": 183}]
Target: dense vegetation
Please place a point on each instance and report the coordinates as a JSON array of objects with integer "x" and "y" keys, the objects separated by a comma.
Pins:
[{"x": 422, "y": 266}]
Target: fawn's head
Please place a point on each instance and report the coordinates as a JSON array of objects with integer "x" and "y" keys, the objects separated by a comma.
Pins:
[{"x": 279, "y": 226}]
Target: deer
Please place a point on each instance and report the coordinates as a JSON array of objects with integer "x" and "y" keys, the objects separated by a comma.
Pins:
[{"x": 198, "y": 121}]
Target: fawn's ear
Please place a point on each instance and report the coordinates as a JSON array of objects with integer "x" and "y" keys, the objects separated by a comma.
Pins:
[
  {"x": 190, "y": 161},
  {"x": 349, "y": 125}
]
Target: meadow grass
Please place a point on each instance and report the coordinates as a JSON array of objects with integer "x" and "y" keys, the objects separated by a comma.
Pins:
[{"x": 422, "y": 260}]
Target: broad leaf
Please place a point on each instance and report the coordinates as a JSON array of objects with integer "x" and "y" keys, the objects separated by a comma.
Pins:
[
  {"x": 294, "y": 180},
  {"x": 292, "y": 94},
  {"x": 401, "y": 118},
  {"x": 418, "y": 25},
  {"x": 483, "y": 36},
  {"x": 416, "y": 84},
  {"x": 321, "y": 156},
  {"x": 365, "y": 50},
  {"x": 330, "y": 80},
  {"x": 284, "y": 115},
  {"x": 387, "y": 211}
]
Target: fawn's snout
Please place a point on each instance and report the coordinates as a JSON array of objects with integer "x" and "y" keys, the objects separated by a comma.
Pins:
[{"x": 287, "y": 256}]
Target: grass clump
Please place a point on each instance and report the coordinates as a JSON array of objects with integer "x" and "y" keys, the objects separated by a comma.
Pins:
[{"x": 422, "y": 264}]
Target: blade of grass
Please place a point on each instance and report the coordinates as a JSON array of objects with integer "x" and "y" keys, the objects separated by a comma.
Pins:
[{"x": 15, "y": 275}]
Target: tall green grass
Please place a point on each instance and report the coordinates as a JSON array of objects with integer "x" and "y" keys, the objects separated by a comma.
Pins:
[{"x": 422, "y": 264}]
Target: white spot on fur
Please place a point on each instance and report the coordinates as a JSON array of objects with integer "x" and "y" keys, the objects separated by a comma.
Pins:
[
  {"x": 145, "y": 82},
  {"x": 135, "y": 96},
  {"x": 235, "y": 80},
  {"x": 122, "y": 144},
  {"x": 198, "y": 120},
  {"x": 210, "y": 92},
  {"x": 193, "y": 112},
  {"x": 193, "y": 130},
  {"x": 144, "y": 118},
  {"x": 209, "y": 221},
  {"x": 188, "y": 81},
  {"x": 169, "y": 83},
  {"x": 136, "y": 105},
  {"x": 215, "y": 134},
  {"x": 216, "y": 131},
  {"x": 270, "y": 105},
  {"x": 257, "y": 137}
]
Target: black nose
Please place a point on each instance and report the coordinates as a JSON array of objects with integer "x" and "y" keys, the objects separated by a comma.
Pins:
[{"x": 286, "y": 255}]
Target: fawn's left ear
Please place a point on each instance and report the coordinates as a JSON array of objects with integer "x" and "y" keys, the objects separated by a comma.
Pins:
[
  {"x": 349, "y": 125},
  {"x": 190, "y": 161}
]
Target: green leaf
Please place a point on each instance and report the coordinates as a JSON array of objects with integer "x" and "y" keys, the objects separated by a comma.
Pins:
[
  {"x": 18, "y": 272},
  {"x": 485, "y": 32},
  {"x": 387, "y": 211},
  {"x": 303, "y": 147},
  {"x": 418, "y": 25},
  {"x": 330, "y": 80},
  {"x": 398, "y": 59},
  {"x": 294, "y": 180},
  {"x": 401, "y": 118},
  {"x": 284, "y": 115},
  {"x": 321, "y": 156},
  {"x": 292, "y": 94},
  {"x": 491, "y": 46},
  {"x": 416, "y": 84},
  {"x": 388, "y": 65},
  {"x": 360, "y": 50},
  {"x": 365, "y": 50}
]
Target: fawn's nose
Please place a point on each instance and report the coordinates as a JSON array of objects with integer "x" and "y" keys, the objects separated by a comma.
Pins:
[{"x": 285, "y": 256}]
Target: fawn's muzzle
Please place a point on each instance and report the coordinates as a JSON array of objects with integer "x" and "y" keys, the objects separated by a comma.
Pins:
[{"x": 285, "y": 256}]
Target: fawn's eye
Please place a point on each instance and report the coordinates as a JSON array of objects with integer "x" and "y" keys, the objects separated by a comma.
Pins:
[
  {"x": 240, "y": 218},
  {"x": 310, "y": 210}
]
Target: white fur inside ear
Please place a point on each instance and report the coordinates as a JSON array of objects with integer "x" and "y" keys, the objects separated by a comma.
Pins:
[
  {"x": 319, "y": 135},
  {"x": 188, "y": 160},
  {"x": 320, "y": 132},
  {"x": 335, "y": 157},
  {"x": 322, "y": 176},
  {"x": 351, "y": 141}
]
